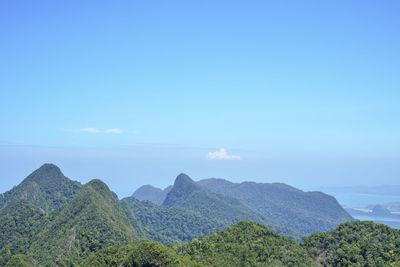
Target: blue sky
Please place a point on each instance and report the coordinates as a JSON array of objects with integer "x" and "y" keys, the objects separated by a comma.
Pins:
[{"x": 135, "y": 92}]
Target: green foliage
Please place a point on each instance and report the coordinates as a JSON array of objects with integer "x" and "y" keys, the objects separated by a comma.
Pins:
[
  {"x": 356, "y": 244},
  {"x": 139, "y": 253},
  {"x": 95, "y": 229},
  {"x": 46, "y": 188},
  {"x": 246, "y": 244},
  {"x": 155, "y": 254},
  {"x": 20, "y": 260},
  {"x": 19, "y": 226},
  {"x": 167, "y": 224},
  {"x": 21, "y": 220},
  {"x": 306, "y": 212},
  {"x": 112, "y": 256},
  {"x": 92, "y": 220},
  {"x": 222, "y": 209}
]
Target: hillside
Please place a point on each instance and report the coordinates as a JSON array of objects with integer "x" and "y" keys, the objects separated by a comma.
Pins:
[
  {"x": 93, "y": 219},
  {"x": 167, "y": 224},
  {"x": 225, "y": 210},
  {"x": 306, "y": 212},
  {"x": 251, "y": 244},
  {"x": 151, "y": 193},
  {"x": 20, "y": 223},
  {"x": 46, "y": 188},
  {"x": 94, "y": 228},
  {"x": 243, "y": 244},
  {"x": 139, "y": 253},
  {"x": 360, "y": 243},
  {"x": 246, "y": 244}
]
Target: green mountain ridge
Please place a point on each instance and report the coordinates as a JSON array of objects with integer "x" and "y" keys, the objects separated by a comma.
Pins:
[
  {"x": 306, "y": 212},
  {"x": 247, "y": 244},
  {"x": 251, "y": 244},
  {"x": 94, "y": 228},
  {"x": 225, "y": 210},
  {"x": 93, "y": 219},
  {"x": 357, "y": 243},
  {"x": 47, "y": 188},
  {"x": 167, "y": 224}
]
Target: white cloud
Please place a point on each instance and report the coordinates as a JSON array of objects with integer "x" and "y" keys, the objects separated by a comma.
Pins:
[
  {"x": 95, "y": 130},
  {"x": 221, "y": 154},
  {"x": 114, "y": 130},
  {"x": 90, "y": 130}
]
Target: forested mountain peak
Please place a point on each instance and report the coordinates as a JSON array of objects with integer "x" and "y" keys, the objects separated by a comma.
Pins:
[
  {"x": 46, "y": 187},
  {"x": 46, "y": 172},
  {"x": 92, "y": 220},
  {"x": 183, "y": 187},
  {"x": 356, "y": 243},
  {"x": 247, "y": 244},
  {"x": 102, "y": 189}
]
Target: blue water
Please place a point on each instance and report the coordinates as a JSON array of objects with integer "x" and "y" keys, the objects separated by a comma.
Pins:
[
  {"x": 358, "y": 200},
  {"x": 370, "y": 218},
  {"x": 391, "y": 222}
]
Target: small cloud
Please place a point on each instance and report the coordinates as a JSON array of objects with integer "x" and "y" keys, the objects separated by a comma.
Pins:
[
  {"x": 90, "y": 130},
  {"x": 114, "y": 130},
  {"x": 221, "y": 154}
]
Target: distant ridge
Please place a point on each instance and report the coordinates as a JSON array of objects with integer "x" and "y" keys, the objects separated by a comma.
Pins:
[
  {"x": 151, "y": 193},
  {"x": 278, "y": 203},
  {"x": 226, "y": 210},
  {"x": 307, "y": 212},
  {"x": 94, "y": 228}
]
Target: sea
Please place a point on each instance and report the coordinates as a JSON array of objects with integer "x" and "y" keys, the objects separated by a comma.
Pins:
[{"x": 361, "y": 200}]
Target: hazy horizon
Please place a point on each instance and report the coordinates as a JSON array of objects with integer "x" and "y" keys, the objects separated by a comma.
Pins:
[{"x": 305, "y": 93}]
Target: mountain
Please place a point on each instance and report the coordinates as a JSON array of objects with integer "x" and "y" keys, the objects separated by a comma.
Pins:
[
  {"x": 151, "y": 193},
  {"x": 306, "y": 212},
  {"x": 243, "y": 244},
  {"x": 20, "y": 223},
  {"x": 94, "y": 228},
  {"x": 355, "y": 244},
  {"x": 250, "y": 244},
  {"x": 47, "y": 188},
  {"x": 139, "y": 253},
  {"x": 247, "y": 244},
  {"x": 167, "y": 224},
  {"x": 225, "y": 210},
  {"x": 93, "y": 219}
]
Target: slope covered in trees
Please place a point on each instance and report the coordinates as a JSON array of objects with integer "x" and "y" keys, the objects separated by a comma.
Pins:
[
  {"x": 93, "y": 219},
  {"x": 306, "y": 212},
  {"x": 356, "y": 244},
  {"x": 223, "y": 209},
  {"x": 247, "y": 244},
  {"x": 94, "y": 228},
  {"x": 47, "y": 188},
  {"x": 243, "y": 244},
  {"x": 139, "y": 253},
  {"x": 251, "y": 244},
  {"x": 167, "y": 224}
]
